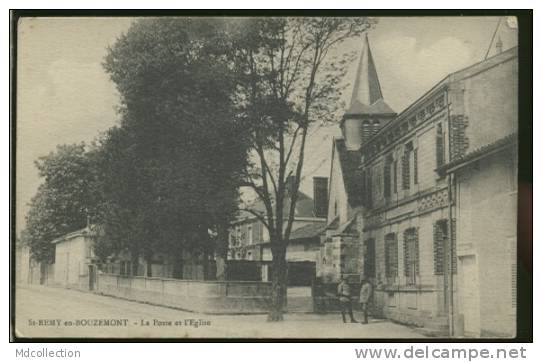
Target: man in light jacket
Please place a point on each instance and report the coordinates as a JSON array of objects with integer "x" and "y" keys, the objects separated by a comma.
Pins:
[{"x": 365, "y": 295}]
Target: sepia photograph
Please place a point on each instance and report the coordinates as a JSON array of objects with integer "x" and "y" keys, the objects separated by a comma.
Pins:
[{"x": 266, "y": 177}]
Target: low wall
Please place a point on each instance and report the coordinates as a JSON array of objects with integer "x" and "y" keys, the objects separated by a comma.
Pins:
[{"x": 213, "y": 297}]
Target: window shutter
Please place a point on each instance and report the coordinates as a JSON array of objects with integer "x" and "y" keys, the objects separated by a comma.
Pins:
[
  {"x": 453, "y": 241},
  {"x": 440, "y": 146},
  {"x": 366, "y": 130},
  {"x": 406, "y": 255},
  {"x": 387, "y": 179},
  {"x": 405, "y": 164},
  {"x": 438, "y": 249},
  {"x": 387, "y": 256},
  {"x": 411, "y": 254},
  {"x": 369, "y": 266},
  {"x": 391, "y": 255},
  {"x": 395, "y": 176},
  {"x": 417, "y": 250},
  {"x": 256, "y": 232},
  {"x": 440, "y": 233},
  {"x": 416, "y": 166}
]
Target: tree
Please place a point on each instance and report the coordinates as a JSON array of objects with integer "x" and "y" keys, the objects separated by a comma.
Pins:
[
  {"x": 64, "y": 200},
  {"x": 180, "y": 147},
  {"x": 290, "y": 80}
]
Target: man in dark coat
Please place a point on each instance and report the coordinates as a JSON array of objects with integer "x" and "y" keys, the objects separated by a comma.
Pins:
[{"x": 344, "y": 292}]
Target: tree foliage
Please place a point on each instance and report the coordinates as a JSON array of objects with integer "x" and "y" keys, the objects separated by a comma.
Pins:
[
  {"x": 63, "y": 201},
  {"x": 171, "y": 169}
]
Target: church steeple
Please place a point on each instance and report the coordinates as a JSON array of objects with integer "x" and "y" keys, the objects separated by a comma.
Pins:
[
  {"x": 368, "y": 111},
  {"x": 367, "y": 95}
]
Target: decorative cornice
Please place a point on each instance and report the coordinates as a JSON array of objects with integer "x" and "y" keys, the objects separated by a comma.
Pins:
[
  {"x": 404, "y": 123},
  {"x": 427, "y": 201}
]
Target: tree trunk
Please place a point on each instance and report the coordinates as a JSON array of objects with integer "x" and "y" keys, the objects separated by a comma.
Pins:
[
  {"x": 221, "y": 256},
  {"x": 220, "y": 267},
  {"x": 279, "y": 285}
]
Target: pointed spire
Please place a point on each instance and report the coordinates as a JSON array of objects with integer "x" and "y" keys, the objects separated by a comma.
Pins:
[{"x": 367, "y": 95}]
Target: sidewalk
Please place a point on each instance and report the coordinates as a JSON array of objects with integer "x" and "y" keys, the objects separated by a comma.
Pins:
[{"x": 45, "y": 303}]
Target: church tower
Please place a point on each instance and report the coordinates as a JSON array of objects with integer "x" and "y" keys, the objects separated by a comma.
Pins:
[{"x": 368, "y": 112}]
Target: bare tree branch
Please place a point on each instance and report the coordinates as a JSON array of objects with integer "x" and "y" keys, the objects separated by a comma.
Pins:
[
  {"x": 292, "y": 144},
  {"x": 259, "y": 216}
]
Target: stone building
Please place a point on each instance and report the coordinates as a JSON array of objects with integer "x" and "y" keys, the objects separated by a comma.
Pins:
[
  {"x": 74, "y": 259},
  {"x": 250, "y": 247},
  {"x": 423, "y": 203}
]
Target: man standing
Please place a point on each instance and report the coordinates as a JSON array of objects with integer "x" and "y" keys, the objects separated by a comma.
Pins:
[
  {"x": 345, "y": 298},
  {"x": 365, "y": 294}
]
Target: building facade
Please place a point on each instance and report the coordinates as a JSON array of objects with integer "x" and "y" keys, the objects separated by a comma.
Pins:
[
  {"x": 407, "y": 214},
  {"x": 250, "y": 245},
  {"x": 75, "y": 265}
]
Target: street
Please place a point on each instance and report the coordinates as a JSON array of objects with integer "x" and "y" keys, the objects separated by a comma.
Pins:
[{"x": 55, "y": 312}]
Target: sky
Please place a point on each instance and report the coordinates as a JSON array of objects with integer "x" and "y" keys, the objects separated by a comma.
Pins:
[{"x": 65, "y": 96}]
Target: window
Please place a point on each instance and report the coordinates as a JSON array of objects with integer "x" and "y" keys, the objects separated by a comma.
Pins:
[
  {"x": 405, "y": 164},
  {"x": 259, "y": 226},
  {"x": 411, "y": 255},
  {"x": 265, "y": 233},
  {"x": 440, "y": 146},
  {"x": 366, "y": 131},
  {"x": 440, "y": 243},
  {"x": 238, "y": 235},
  {"x": 250, "y": 235},
  {"x": 387, "y": 176},
  {"x": 320, "y": 193},
  {"x": 369, "y": 259},
  {"x": 376, "y": 127},
  {"x": 391, "y": 257},
  {"x": 89, "y": 250},
  {"x": 415, "y": 166},
  {"x": 395, "y": 177}
]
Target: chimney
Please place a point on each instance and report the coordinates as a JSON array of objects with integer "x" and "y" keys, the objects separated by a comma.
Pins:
[
  {"x": 320, "y": 195},
  {"x": 289, "y": 186}
]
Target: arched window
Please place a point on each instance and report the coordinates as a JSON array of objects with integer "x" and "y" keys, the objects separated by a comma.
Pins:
[
  {"x": 366, "y": 130},
  {"x": 376, "y": 127}
]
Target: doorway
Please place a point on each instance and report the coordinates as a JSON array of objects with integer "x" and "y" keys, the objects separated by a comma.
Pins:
[{"x": 469, "y": 295}]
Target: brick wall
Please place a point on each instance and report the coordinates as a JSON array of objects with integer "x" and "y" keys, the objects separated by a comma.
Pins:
[{"x": 488, "y": 101}]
